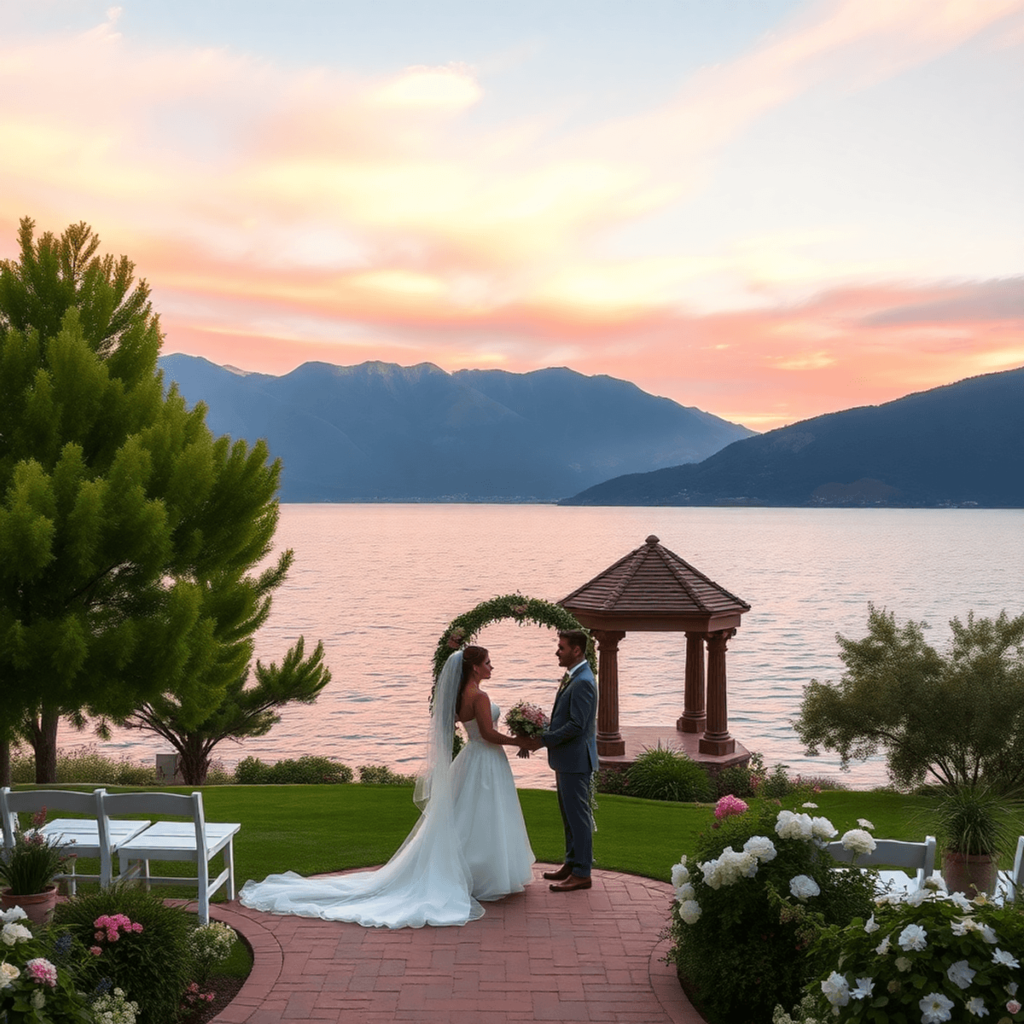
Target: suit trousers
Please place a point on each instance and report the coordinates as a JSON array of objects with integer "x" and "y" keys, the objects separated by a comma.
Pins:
[{"x": 574, "y": 803}]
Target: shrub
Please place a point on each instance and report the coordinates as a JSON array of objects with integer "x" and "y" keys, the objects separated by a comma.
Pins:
[
  {"x": 739, "y": 941},
  {"x": 138, "y": 943},
  {"x": 933, "y": 957},
  {"x": 665, "y": 774},
  {"x": 612, "y": 780},
  {"x": 382, "y": 775},
  {"x": 306, "y": 771},
  {"x": 83, "y": 765},
  {"x": 251, "y": 771}
]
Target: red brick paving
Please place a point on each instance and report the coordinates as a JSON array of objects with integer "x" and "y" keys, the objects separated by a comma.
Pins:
[{"x": 592, "y": 955}]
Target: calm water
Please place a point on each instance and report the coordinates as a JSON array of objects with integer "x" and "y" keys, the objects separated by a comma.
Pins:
[{"x": 378, "y": 584}]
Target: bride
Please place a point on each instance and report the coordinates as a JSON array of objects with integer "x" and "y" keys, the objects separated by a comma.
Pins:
[{"x": 469, "y": 844}]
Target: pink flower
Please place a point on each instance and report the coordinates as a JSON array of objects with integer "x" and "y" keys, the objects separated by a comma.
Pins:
[
  {"x": 95, "y": 950},
  {"x": 98, "y": 936},
  {"x": 42, "y": 971},
  {"x": 137, "y": 926},
  {"x": 1013, "y": 1006},
  {"x": 728, "y": 806},
  {"x": 112, "y": 936}
]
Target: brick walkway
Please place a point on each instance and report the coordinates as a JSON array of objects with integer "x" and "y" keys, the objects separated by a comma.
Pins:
[{"x": 593, "y": 955}]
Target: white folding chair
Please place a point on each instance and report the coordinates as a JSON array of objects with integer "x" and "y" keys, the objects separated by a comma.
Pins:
[
  {"x": 1009, "y": 882},
  {"x": 88, "y": 837},
  {"x": 197, "y": 841},
  {"x": 918, "y": 856}
]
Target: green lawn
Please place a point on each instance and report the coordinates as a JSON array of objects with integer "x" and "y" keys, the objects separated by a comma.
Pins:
[{"x": 314, "y": 829}]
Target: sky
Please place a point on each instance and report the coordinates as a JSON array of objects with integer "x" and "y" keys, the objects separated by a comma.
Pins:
[{"x": 768, "y": 209}]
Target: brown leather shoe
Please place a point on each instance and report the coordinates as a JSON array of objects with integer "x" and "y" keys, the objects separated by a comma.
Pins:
[
  {"x": 571, "y": 883},
  {"x": 560, "y": 875}
]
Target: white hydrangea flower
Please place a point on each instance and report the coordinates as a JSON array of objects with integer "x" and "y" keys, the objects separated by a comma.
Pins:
[
  {"x": 793, "y": 826},
  {"x": 863, "y": 989},
  {"x": 14, "y": 933},
  {"x": 859, "y": 841},
  {"x": 1000, "y": 956},
  {"x": 684, "y": 892},
  {"x": 913, "y": 937},
  {"x": 871, "y": 925},
  {"x": 916, "y": 897},
  {"x": 12, "y": 915},
  {"x": 38, "y": 999},
  {"x": 883, "y": 947},
  {"x": 936, "y": 883},
  {"x": 935, "y": 1008},
  {"x": 864, "y": 823},
  {"x": 836, "y": 989},
  {"x": 803, "y": 887},
  {"x": 976, "y": 1005},
  {"x": 960, "y": 901},
  {"x": 986, "y": 932},
  {"x": 680, "y": 873},
  {"x": 960, "y": 974},
  {"x": 761, "y": 847},
  {"x": 823, "y": 829},
  {"x": 810, "y": 806},
  {"x": 903, "y": 964},
  {"x": 8, "y": 974},
  {"x": 689, "y": 911},
  {"x": 1011, "y": 988}
]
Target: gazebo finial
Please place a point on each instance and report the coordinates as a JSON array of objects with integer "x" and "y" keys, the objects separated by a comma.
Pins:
[{"x": 652, "y": 540}]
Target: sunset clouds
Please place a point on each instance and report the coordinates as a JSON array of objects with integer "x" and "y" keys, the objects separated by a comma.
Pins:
[{"x": 824, "y": 219}]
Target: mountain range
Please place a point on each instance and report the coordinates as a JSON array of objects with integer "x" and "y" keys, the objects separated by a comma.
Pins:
[
  {"x": 382, "y": 432},
  {"x": 958, "y": 445}
]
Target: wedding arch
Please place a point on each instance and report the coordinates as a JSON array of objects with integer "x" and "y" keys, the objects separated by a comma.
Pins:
[{"x": 464, "y": 628}]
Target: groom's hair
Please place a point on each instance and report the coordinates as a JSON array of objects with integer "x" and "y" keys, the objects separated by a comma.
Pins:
[{"x": 575, "y": 638}]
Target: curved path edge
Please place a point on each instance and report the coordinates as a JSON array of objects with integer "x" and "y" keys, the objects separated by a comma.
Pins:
[{"x": 594, "y": 956}]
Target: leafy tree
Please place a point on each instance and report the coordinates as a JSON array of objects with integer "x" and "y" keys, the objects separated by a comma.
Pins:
[
  {"x": 241, "y": 712},
  {"x": 128, "y": 534},
  {"x": 956, "y": 717}
]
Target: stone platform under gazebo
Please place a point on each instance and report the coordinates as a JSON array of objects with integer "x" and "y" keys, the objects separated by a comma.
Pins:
[{"x": 654, "y": 590}]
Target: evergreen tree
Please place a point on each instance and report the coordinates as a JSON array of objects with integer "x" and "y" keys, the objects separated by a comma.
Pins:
[
  {"x": 128, "y": 534},
  {"x": 242, "y": 711}
]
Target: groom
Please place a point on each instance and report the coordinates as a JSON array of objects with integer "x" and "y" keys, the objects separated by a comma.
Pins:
[{"x": 571, "y": 739}]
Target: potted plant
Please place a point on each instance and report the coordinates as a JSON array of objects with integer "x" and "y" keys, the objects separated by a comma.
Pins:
[
  {"x": 28, "y": 870},
  {"x": 972, "y": 826}
]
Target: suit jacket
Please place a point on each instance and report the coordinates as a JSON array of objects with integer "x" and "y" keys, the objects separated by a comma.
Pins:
[{"x": 571, "y": 738}]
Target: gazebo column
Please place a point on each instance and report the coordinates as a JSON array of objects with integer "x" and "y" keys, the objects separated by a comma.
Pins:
[
  {"x": 694, "y": 717},
  {"x": 609, "y": 740},
  {"x": 716, "y": 739}
]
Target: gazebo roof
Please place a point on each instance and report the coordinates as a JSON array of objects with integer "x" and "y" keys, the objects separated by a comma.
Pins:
[{"x": 652, "y": 588}]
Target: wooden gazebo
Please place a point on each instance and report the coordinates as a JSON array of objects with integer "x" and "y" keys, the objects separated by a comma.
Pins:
[{"x": 653, "y": 590}]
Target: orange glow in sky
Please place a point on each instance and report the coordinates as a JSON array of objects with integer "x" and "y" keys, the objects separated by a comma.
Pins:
[{"x": 768, "y": 211}]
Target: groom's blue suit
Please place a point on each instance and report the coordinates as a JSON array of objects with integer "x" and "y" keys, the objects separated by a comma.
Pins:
[{"x": 571, "y": 741}]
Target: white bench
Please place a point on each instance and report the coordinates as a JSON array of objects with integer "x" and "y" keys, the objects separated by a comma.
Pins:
[
  {"x": 916, "y": 856},
  {"x": 88, "y": 837},
  {"x": 196, "y": 840}
]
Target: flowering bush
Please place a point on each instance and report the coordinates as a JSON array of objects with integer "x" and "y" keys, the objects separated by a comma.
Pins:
[
  {"x": 136, "y": 943},
  {"x": 931, "y": 957},
  {"x": 39, "y": 975},
  {"x": 728, "y": 806},
  {"x": 208, "y": 945},
  {"x": 746, "y": 909},
  {"x": 114, "y": 1008}
]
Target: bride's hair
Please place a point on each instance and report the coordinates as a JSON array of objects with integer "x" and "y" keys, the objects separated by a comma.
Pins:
[{"x": 471, "y": 656}]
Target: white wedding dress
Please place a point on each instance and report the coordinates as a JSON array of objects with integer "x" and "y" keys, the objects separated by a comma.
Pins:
[{"x": 470, "y": 844}]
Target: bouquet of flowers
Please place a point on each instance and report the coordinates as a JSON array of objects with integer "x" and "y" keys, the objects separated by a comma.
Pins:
[{"x": 525, "y": 719}]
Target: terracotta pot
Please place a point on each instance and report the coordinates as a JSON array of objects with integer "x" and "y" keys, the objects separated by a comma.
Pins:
[
  {"x": 970, "y": 873},
  {"x": 39, "y": 906}
]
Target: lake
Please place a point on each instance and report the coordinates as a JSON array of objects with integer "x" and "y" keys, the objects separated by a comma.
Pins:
[{"x": 379, "y": 583}]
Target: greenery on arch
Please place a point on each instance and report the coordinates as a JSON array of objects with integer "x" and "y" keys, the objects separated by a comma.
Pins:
[{"x": 465, "y": 628}]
